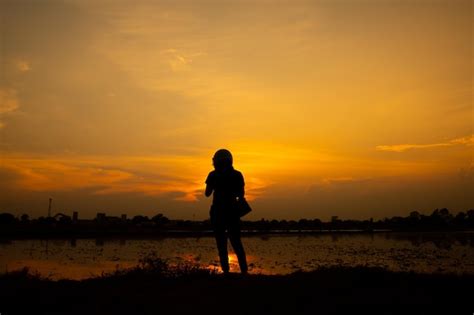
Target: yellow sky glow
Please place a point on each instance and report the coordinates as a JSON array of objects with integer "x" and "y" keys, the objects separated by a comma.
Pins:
[{"x": 348, "y": 108}]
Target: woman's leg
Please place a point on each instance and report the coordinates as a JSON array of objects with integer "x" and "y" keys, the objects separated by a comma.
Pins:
[
  {"x": 221, "y": 241},
  {"x": 234, "y": 236}
]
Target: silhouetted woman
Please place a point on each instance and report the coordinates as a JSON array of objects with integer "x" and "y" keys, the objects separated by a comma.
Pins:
[{"x": 227, "y": 185}]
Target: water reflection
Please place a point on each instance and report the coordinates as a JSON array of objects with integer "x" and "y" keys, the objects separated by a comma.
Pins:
[
  {"x": 440, "y": 240},
  {"x": 269, "y": 254}
]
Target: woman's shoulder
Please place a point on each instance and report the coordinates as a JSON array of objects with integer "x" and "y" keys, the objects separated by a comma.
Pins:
[
  {"x": 212, "y": 173},
  {"x": 211, "y": 176},
  {"x": 238, "y": 173}
]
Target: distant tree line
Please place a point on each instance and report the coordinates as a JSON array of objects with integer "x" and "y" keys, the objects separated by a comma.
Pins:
[{"x": 440, "y": 219}]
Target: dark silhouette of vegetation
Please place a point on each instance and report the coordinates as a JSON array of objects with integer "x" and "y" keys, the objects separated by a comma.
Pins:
[
  {"x": 7, "y": 218},
  {"x": 63, "y": 225},
  {"x": 156, "y": 287},
  {"x": 160, "y": 220}
]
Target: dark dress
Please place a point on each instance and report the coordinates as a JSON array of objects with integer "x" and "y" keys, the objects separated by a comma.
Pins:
[{"x": 227, "y": 185}]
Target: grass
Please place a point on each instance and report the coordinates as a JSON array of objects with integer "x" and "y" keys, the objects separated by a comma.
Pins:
[{"x": 156, "y": 287}]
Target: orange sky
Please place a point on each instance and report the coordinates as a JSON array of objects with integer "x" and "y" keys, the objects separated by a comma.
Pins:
[{"x": 351, "y": 108}]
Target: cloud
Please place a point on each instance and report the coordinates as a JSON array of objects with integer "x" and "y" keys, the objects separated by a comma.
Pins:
[
  {"x": 101, "y": 175},
  {"x": 23, "y": 66},
  {"x": 179, "y": 177},
  {"x": 468, "y": 140},
  {"x": 8, "y": 102},
  {"x": 179, "y": 61}
]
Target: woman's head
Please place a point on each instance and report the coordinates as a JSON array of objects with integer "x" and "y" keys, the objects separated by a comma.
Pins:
[{"x": 222, "y": 159}]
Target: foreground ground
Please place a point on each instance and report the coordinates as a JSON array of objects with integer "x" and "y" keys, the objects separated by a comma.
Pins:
[{"x": 156, "y": 288}]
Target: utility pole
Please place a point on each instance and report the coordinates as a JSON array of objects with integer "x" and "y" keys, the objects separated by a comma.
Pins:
[{"x": 49, "y": 208}]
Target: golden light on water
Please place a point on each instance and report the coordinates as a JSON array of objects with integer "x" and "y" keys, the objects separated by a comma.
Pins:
[{"x": 57, "y": 270}]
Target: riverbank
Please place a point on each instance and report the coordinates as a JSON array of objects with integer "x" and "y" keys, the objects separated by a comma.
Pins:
[{"x": 156, "y": 288}]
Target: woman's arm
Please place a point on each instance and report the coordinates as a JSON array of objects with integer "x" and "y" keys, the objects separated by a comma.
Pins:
[
  {"x": 241, "y": 191},
  {"x": 209, "y": 184},
  {"x": 209, "y": 190}
]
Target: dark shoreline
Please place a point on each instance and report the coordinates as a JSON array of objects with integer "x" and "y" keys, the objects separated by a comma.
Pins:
[{"x": 194, "y": 291}]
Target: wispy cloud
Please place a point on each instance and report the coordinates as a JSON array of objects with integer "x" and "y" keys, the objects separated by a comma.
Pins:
[
  {"x": 8, "y": 102},
  {"x": 23, "y": 66},
  {"x": 178, "y": 60},
  {"x": 178, "y": 177},
  {"x": 104, "y": 175},
  {"x": 468, "y": 140}
]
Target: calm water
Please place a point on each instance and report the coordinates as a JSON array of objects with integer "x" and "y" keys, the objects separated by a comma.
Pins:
[{"x": 273, "y": 254}]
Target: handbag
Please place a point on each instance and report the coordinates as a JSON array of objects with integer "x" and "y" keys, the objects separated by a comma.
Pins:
[{"x": 243, "y": 207}]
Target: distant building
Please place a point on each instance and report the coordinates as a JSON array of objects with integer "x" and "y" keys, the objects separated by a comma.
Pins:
[
  {"x": 100, "y": 217},
  {"x": 61, "y": 217},
  {"x": 112, "y": 219},
  {"x": 103, "y": 218},
  {"x": 75, "y": 216}
]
